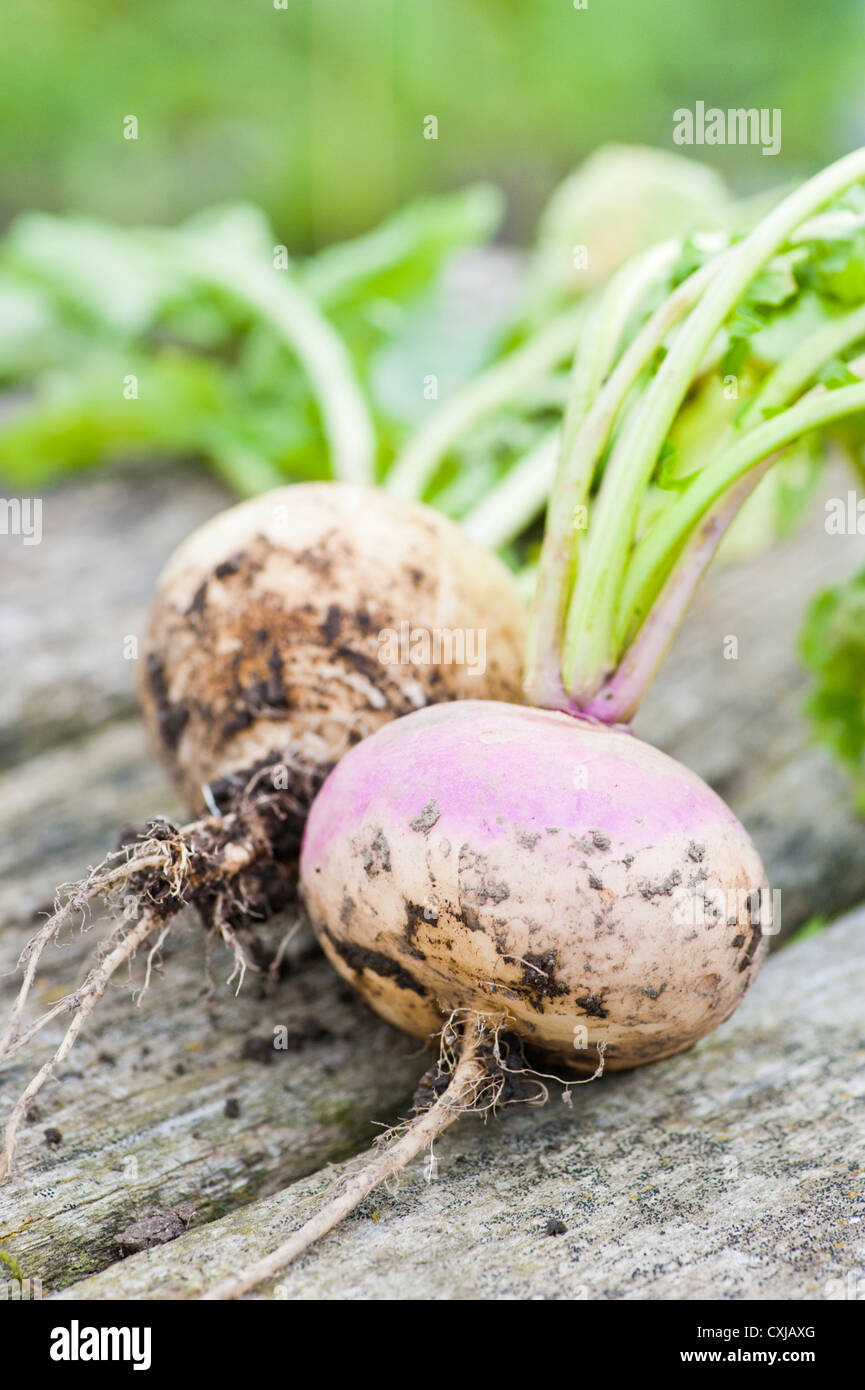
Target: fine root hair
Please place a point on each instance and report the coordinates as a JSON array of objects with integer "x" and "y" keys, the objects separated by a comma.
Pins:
[
  {"x": 480, "y": 1067},
  {"x": 228, "y": 867}
]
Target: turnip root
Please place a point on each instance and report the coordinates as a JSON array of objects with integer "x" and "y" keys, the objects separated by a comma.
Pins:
[
  {"x": 561, "y": 876},
  {"x": 263, "y": 647},
  {"x": 282, "y": 633},
  {"x": 520, "y": 887}
]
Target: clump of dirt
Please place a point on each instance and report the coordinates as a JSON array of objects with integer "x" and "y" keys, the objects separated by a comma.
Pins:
[{"x": 156, "y": 1228}]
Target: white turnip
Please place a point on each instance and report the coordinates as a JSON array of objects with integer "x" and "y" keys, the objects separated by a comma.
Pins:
[{"x": 265, "y": 651}]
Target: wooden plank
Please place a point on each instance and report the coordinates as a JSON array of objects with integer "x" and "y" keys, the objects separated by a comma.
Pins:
[
  {"x": 735, "y": 1171},
  {"x": 186, "y": 1100},
  {"x": 67, "y": 604}
]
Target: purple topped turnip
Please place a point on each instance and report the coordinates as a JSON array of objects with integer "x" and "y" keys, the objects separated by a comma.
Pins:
[
  {"x": 535, "y": 886},
  {"x": 537, "y": 869}
]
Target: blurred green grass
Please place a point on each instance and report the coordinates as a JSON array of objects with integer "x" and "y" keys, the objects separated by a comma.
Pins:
[{"x": 315, "y": 111}]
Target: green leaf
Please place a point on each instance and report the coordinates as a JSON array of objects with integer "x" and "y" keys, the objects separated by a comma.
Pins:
[
  {"x": 777, "y": 284},
  {"x": 832, "y": 646},
  {"x": 837, "y": 373},
  {"x": 735, "y": 359},
  {"x": 666, "y": 476},
  {"x": 405, "y": 253},
  {"x": 109, "y": 277},
  {"x": 77, "y": 421},
  {"x": 841, "y": 274}
]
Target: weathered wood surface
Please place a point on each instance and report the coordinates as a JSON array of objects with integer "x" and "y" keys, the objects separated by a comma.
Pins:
[
  {"x": 737, "y": 1171},
  {"x": 182, "y": 1101},
  {"x": 74, "y": 767}
]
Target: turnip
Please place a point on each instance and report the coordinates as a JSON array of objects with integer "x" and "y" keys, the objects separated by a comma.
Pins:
[
  {"x": 535, "y": 886},
  {"x": 264, "y": 647},
  {"x": 540, "y": 868},
  {"x": 275, "y": 643}
]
